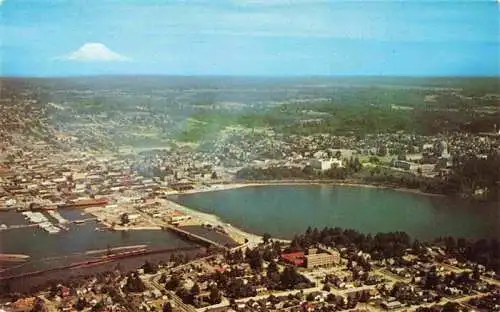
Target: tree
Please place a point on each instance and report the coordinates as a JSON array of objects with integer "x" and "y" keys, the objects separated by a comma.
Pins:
[
  {"x": 374, "y": 160},
  {"x": 266, "y": 238},
  {"x": 451, "y": 244},
  {"x": 185, "y": 295},
  {"x": 476, "y": 275},
  {"x": 272, "y": 268},
  {"x": 150, "y": 268},
  {"x": 289, "y": 277},
  {"x": 98, "y": 307},
  {"x": 417, "y": 246},
  {"x": 134, "y": 283},
  {"x": 173, "y": 283},
  {"x": 254, "y": 259},
  {"x": 431, "y": 280},
  {"x": 215, "y": 296},
  {"x": 54, "y": 289},
  {"x": 81, "y": 304},
  {"x": 167, "y": 307},
  {"x": 124, "y": 218},
  {"x": 357, "y": 166},
  {"x": 451, "y": 307},
  {"x": 39, "y": 305},
  {"x": 296, "y": 245},
  {"x": 382, "y": 151},
  {"x": 214, "y": 176},
  {"x": 364, "y": 297},
  {"x": 163, "y": 278},
  {"x": 195, "y": 290}
]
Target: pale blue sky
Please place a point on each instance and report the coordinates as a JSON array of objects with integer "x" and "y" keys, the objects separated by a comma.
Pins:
[{"x": 249, "y": 37}]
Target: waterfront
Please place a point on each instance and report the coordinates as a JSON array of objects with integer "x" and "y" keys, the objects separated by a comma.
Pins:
[
  {"x": 285, "y": 210},
  {"x": 48, "y": 251},
  {"x": 79, "y": 238}
]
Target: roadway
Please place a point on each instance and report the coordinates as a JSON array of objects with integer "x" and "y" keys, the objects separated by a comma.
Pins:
[
  {"x": 195, "y": 236},
  {"x": 179, "y": 230},
  {"x": 152, "y": 282}
]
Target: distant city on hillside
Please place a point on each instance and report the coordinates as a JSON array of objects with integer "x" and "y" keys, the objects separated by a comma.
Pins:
[{"x": 98, "y": 156}]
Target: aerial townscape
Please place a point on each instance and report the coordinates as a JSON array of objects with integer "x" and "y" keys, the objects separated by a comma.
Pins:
[
  {"x": 259, "y": 156},
  {"x": 65, "y": 169}
]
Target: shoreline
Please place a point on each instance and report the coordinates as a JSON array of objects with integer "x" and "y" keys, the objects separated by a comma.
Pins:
[
  {"x": 235, "y": 233},
  {"x": 236, "y": 185},
  {"x": 238, "y": 234}
]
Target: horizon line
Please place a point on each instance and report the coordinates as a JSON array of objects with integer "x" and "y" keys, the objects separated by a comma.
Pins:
[{"x": 243, "y": 76}]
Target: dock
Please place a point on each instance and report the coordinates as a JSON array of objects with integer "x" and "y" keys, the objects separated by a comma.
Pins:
[
  {"x": 5, "y": 227},
  {"x": 56, "y": 215},
  {"x": 80, "y": 221},
  {"x": 40, "y": 220},
  {"x": 63, "y": 225}
]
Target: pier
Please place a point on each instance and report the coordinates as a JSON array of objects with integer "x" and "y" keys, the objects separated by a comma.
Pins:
[
  {"x": 56, "y": 215},
  {"x": 4, "y": 227}
]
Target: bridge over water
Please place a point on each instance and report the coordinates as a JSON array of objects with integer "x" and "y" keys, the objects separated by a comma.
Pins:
[{"x": 195, "y": 237}]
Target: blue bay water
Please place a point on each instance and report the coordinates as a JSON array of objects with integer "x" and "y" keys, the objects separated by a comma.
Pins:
[{"x": 286, "y": 210}]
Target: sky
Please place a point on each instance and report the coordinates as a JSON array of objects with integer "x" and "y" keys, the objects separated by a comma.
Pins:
[{"x": 249, "y": 37}]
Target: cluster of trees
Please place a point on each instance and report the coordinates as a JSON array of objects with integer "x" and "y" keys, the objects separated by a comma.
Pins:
[
  {"x": 150, "y": 268},
  {"x": 486, "y": 303},
  {"x": 464, "y": 281},
  {"x": 134, "y": 283},
  {"x": 471, "y": 173},
  {"x": 389, "y": 177},
  {"x": 191, "y": 296},
  {"x": 380, "y": 246},
  {"x": 447, "y": 307},
  {"x": 231, "y": 280},
  {"x": 39, "y": 306},
  {"x": 348, "y": 112},
  {"x": 172, "y": 283},
  {"x": 273, "y": 173},
  {"x": 393, "y": 245},
  {"x": 291, "y": 279},
  {"x": 167, "y": 307},
  {"x": 483, "y": 251},
  {"x": 468, "y": 175},
  {"x": 352, "y": 170},
  {"x": 405, "y": 294},
  {"x": 352, "y": 166},
  {"x": 254, "y": 257},
  {"x": 235, "y": 287}
]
